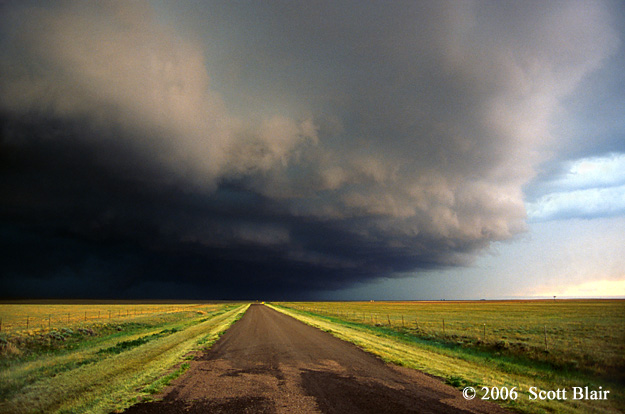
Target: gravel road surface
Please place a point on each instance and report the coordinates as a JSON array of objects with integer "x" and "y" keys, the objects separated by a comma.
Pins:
[{"x": 268, "y": 362}]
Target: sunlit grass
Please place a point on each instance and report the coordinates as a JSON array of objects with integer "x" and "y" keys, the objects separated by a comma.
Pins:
[
  {"x": 110, "y": 369},
  {"x": 462, "y": 356},
  {"x": 581, "y": 335},
  {"x": 35, "y": 318}
]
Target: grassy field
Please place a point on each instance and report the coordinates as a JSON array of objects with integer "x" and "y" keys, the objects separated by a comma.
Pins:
[
  {"x": 101, "y": 365},
  {"x": 523, "y": 344},
  {"x": 18, "y": 317}
]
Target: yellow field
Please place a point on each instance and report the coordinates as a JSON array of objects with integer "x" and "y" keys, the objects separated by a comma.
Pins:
[
  {"x": 99, "y": 367},
  {"x": 587, "y": 334},
  {"x": 585, "y": 344},
  {"x": 17, "y": 318}
]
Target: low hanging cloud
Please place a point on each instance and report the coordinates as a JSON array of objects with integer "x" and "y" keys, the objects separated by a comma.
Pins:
[
  {"x": 402, "y": 141},
  {"x": 111, "y": 65}
]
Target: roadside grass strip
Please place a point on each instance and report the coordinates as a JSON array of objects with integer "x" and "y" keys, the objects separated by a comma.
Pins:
[
  {"x": 460, "y": 367},
  {"x": 48, "y": 360},
  {"x": 14, "y": 378},
  {"x": 140, "y": 368}
]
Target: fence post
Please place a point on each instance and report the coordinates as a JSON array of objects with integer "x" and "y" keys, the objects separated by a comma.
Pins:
[
  {"x": 27, "y": 317},
  {"x": 402, "y": 321},
  {"x": 545, "y": 330},
  {"x": 49, "y": 321},
  {"x": 388, "y": 318},
  {"x": 484, "y": 334}
]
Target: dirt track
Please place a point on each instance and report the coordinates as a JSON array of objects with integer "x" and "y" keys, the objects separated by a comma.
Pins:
[{"x": 271, "y": 363}]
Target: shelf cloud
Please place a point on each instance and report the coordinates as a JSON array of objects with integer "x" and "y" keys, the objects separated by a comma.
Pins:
[{"x": 274, "y": 149}]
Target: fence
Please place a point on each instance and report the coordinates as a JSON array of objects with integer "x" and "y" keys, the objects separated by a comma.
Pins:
[
  {"x": 479, "y": 332},
  {"x": 27, "y": 317}
]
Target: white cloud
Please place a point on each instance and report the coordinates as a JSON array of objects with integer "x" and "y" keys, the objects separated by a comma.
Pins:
[
  {"x": 607, "y": 171},
  {"x": 592, "y": 187},
  {"x": 590, "y": 203}
]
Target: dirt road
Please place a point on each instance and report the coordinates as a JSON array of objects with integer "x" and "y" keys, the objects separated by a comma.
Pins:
[{"x": 271, "y": 363}]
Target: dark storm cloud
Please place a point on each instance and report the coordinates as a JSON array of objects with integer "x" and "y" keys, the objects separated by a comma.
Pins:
[{"x": 334, "y": 144}]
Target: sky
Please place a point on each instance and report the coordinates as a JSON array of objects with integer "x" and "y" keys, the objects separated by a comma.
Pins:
[{"x": 312, "y": 149}]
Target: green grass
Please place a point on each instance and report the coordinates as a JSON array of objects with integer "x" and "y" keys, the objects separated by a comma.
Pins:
[
  {"x": 38, "y": 356},
  {"x": 109, "y": 368},
  {"x": 473, "y": 361},
  {"x": 126, "y": 345},
  {"x": 158, "y": 385},
  {"x": 586, "y": 335}
]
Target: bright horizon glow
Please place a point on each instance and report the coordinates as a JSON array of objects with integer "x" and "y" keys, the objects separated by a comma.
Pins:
[{"x": 594, "y": 289}]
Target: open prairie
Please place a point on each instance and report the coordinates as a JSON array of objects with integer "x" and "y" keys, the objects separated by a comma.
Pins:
[
  {"x": 578, "y": 334},
  {"x": 88, "y": 364},
  {"x": 17, "y": 317},
  {"x": 543, "y": 344},
  {"x": 427, "y": 352}
]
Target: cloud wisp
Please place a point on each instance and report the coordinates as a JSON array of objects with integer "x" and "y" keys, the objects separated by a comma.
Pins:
[
  {"x": 357, "y": 142},
  {"x": 592, "y": 187}
]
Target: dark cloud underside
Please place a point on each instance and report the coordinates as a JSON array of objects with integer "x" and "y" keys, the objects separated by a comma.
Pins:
[{"x": 334, "y": 144}]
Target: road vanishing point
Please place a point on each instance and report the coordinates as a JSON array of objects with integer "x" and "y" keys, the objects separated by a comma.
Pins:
[{"x": 268, "y": 362}]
